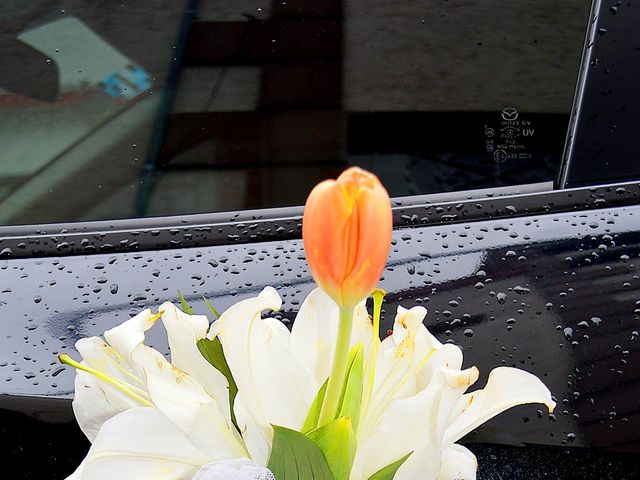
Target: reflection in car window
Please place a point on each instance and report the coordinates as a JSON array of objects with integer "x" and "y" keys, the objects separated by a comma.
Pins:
[{"x": 127, "y": 109}]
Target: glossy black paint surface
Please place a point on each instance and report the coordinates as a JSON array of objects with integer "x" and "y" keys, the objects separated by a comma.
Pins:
[
  {"x": 253, "y": 226},
  {"x": 556, "y": 295}
]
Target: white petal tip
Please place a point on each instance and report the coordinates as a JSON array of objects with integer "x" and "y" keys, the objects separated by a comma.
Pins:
[
  {"x": 273, "y": 300},
  {"x": 167, "y": 307},
  {"x": 460, "y": 378},
  {"x": 411, "y": 319}
]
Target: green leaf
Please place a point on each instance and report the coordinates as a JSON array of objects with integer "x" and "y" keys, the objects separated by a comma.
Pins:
[
  {"x": 296, "y": 457},
  {"x": 337, "y": 441},
  {"x": 388, "y": 472},
  {"x": 351, "y": 397},
  {"x": 313, "y": 416},
  {"x": 212, "y": 351},
  {"x": 184, "y": 306},
  {"x": 213, "y": 310}
]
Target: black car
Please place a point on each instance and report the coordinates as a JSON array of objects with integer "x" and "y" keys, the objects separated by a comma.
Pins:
[{"x": 505, "y": 133}]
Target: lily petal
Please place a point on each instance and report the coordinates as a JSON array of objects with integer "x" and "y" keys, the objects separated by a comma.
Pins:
[
  {"x": 506, "y": 388},
  {"x": 142, "y": 443},
  {"x": 447, "y": 356},
  {"x": 273, "y": 383},
  {"x": 96, "y": 401},
  {"x": 314, "y": 331},
  {"x": 183, "y": 332},
  {"x": 278, "y": 328},
  {"x": 408, "y": 322},
  {"x": 458, "y": 463},
  {"x": 128, "y": 335},
  {"x": 415, "y": 424},
  {"x": 406, "y": 363},
  {"x": 428, "y": 451},
  {"x": 257, "y": 438},
  {"x": 188, "y": 405}
]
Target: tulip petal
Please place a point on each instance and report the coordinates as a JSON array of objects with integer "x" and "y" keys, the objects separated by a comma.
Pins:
[
  {"x": 274, "y": 385},
  {"x": 415, "y": 424},
  {"x": 313, "y": 336},
  {"x": 95, "y": 401},
  {"x": 506, "y": 388},
  {"x": 189, "y": 406},
  {"x": 326, "y": 218},
  {"x": 458, "y": 463},
  {"x": 183, "y": 332},
  {"x": 142, "y": 443},
  {"x": 347, "y": 233},
  {"x": 374, "y": 225}
]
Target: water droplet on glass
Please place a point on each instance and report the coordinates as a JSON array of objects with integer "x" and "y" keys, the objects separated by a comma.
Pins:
[
  {"x": 568, "y": 333},
  {"x": 521, "y": 290}
]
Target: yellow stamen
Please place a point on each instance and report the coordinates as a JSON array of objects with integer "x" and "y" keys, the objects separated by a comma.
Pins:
[
  {"x": 122, "y": 386},
  {"x": 389, "y": 389},
  {"x": 118, "y": 365},
  {"x": 154, "y": 318}
]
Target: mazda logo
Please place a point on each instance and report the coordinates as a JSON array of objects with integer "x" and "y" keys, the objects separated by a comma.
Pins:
[{"x": 510, "y": 114}]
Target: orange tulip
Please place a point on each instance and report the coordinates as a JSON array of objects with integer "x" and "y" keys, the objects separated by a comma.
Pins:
[{"x": 347, "y": 233}]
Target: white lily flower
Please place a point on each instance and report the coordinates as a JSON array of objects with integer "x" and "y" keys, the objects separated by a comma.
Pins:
[
  {"x": 177, "y": 419},
  {"x": 274, "y": 386},
  {"x": 156, "y": 419},
  {"x": 417, "y": 403},
  {"x": 109, "y": 381}
]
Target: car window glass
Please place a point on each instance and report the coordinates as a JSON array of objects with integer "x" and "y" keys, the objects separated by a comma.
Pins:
[{"x": 130, "y": 109}]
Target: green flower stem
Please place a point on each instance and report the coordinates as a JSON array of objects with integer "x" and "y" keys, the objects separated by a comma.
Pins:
[{"x": 339, "y": 368}]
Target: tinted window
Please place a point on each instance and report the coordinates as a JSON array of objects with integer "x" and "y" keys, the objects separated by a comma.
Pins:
[{"x": 116, "y": 110}]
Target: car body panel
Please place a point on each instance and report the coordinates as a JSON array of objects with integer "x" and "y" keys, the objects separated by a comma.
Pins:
[{"x": 555, "y": 294}]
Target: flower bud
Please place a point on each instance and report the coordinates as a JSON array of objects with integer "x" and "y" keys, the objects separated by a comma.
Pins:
[{"x": 347, "y": 233}]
